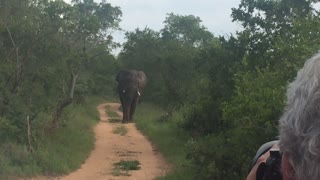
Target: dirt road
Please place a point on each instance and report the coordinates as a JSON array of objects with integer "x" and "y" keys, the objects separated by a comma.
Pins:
[{"x": 111, "y": 148}]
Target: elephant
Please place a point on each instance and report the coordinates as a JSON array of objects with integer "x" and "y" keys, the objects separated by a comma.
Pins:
[{"x": 131, "y": 84}]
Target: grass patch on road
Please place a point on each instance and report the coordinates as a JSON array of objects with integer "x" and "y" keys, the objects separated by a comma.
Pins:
[
  {"x": 128, "y": 165},
  {"x": 167, "y": 137},
  {"x": 122, "y": 130},
  {"x": 112, "y": 113},
  {"x": 123, "y": 167}
]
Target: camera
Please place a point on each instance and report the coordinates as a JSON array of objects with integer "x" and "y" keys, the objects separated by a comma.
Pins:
[{"x": 271, "y": 169}]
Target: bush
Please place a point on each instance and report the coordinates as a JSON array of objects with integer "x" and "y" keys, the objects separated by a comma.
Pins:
[
  {"x": 7, "y": 129},
  {"x": 202, "y": 118},
  {"x": 211, "y": 158},
  {"x": 56, "y": 152},
  {"x": 248, "y": 120}
]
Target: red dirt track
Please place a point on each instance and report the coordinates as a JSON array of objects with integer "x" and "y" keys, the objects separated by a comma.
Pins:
[{"x": 111, "y": 148}]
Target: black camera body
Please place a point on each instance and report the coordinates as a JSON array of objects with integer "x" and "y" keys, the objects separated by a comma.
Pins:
[{"x": 271, "y": 169}]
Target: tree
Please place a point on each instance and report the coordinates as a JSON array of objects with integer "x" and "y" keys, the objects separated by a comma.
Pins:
[
  {"x": 278, "y": 37},
  {"x": 163, "y": 54},
  {"x": 183, "y": 37},
  {"x": 185, "y": 29},
  {"x": 144, "y": 50},
  {"x": 266, "y": 22},
  {"x": 213, "y": 84},
  {"x": 41, "y": 66},
  {"x": 86, "y": 29},
  {"x": 24, "y": 87}
]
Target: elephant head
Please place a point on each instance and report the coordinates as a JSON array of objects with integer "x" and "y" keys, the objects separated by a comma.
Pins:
[{"x": 131, "y": 84}]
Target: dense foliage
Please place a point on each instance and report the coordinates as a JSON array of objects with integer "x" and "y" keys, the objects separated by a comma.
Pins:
[
  {"x": 50, "y": 50},
  {"x": 52, "y": 54},
  {"x": 231, "y": 90}
]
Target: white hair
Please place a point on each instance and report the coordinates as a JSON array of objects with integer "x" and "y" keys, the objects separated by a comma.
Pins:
[{"x": 300, "y": 123}]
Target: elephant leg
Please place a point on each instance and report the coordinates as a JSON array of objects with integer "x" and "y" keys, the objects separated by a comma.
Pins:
[
  {"x": 122, "y": 102},
  {"x": 133, "y": 109},
  {"x": 123, "y": 109},
  {"x": 126, "y": 112}
]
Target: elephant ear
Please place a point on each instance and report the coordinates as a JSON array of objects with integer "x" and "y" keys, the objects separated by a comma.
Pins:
[
  {"x": 118, "y": 76},
  {"x": 122, "y": 74},
  {"x": 142, "y": 78}
]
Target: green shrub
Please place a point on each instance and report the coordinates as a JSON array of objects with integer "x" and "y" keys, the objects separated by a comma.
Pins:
[
  {"x": 202, "y": 118},
  {"x": 56, "y": 152},
  {"x": 167, "y": 137},
  {"x": 7, "y": 129},
  {"x": 248, "y": 120}
]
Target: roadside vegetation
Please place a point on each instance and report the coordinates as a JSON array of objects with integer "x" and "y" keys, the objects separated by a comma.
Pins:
[
  {"x": 168, "y": 138},
  {"x": 54, "y": 57},
  {"x": 54, "y": 153},
  {"x": 220, "y": 98},
  {"x": 209, "y": 103}
]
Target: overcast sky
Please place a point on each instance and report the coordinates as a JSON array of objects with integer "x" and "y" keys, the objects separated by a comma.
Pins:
[{"x": 215, "y": 14}]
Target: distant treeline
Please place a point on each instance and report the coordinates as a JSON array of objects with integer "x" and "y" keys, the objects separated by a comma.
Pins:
[{"x": 231, "y": 89}]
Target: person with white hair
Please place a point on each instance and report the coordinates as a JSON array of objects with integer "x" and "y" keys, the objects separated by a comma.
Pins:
[{"x": 298, "y": 147}]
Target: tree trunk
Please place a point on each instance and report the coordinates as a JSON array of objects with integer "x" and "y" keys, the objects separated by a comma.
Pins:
[
  {"x": 18, "y": 72},
  {"x": 64, "y": 102},
  {"x": 29, "y": 134}
]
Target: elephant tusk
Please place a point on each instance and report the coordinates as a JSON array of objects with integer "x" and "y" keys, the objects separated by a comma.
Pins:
[
  {"x": 138, "y": 92},
  {"x": 124, "y": 91}
]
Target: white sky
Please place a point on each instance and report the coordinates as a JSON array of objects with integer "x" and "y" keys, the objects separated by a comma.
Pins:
[{"x": 215, "y": 14}]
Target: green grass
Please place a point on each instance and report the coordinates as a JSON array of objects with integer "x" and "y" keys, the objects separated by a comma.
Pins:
[
  {"x": 123, "y": 167},
  {"x": 168, "y": 138},
  {"x": 122, "y": 130},
  {"x": 128, "y": 165},
  {"x": 111, "y": 113},
  {"x": 57, "y": 152}
]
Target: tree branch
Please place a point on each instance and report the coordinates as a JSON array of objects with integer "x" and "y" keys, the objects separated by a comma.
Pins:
[{"x": 13, "y": 44}]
